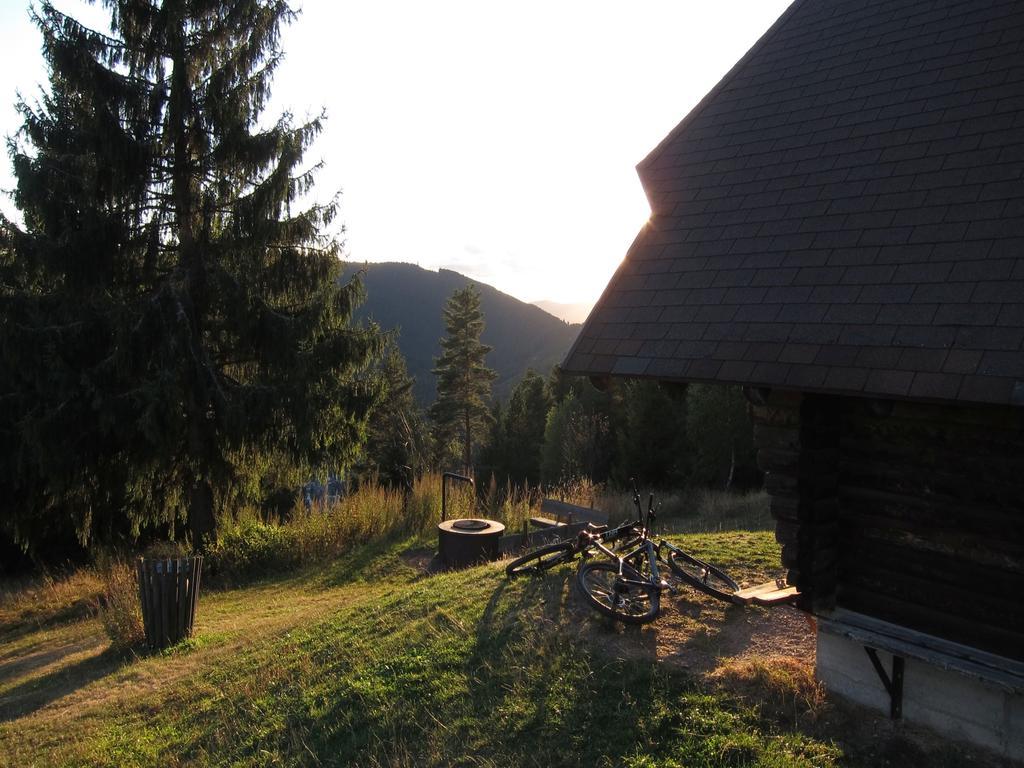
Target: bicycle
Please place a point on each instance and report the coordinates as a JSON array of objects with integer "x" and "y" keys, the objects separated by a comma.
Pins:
[{"x": 628, "y": 584}]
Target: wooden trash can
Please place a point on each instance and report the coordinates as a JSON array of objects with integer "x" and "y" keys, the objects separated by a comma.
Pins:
[{"x": 168, "y": 590}]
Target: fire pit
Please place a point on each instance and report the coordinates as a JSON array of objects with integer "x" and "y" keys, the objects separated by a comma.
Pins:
[{"x": 468, "y": 541}]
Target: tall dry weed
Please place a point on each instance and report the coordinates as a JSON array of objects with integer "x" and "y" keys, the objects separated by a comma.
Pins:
[{"x": 118, "y": 607}]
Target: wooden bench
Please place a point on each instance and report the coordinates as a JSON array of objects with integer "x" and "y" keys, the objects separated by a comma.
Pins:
[
  {"x": 561, "y": 521},
  {"x": 562, "y": 513},
  {"x": 905, "y": 643}
]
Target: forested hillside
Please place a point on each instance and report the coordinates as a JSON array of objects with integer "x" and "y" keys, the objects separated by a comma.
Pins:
[{"x": 410, "y": 298}]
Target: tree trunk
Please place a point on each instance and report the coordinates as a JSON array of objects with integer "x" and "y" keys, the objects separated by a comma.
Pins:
[
  {"x": 201, "y": 521},
  {"x": 467, "y": 455},
  {"x": 192, "y": 300},
  {"x": 732, "y": 469}
]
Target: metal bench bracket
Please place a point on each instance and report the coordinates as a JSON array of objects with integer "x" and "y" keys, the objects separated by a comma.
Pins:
[{"x": 893, "y": 684}]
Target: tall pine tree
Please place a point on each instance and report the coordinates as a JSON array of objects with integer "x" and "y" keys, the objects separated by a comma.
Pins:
[
  {"x": 460, "y": 411},
  {"x": 166, "y": 315},
  {"x": 397, "y": 445}
]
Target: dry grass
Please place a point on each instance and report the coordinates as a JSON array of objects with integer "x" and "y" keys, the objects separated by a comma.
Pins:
[
  {"x": 118, "y": 609},
  {"x": 694, "y": 510},
  {"x": 49, "y": 598},
  {"x": 251, "y": 548},
  {"x": 782, "y": 687}
]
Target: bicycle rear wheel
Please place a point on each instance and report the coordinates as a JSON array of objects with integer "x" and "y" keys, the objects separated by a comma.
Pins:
[
  {"x": 606, "y": 591},
  {"x": 541, "y": 559},
  {"x": 703, "y": 576}
]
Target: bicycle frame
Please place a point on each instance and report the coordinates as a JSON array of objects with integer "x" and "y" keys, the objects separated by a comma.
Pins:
[
  {"x": 627, "y": 582},
  {"x": 640, "y": 543}
]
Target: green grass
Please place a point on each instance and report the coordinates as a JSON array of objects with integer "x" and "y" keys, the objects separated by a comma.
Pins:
[{"x": 366, "y": 661}]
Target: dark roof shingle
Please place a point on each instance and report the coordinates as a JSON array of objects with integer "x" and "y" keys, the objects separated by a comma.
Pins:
[{"x": 854, "y": 186}]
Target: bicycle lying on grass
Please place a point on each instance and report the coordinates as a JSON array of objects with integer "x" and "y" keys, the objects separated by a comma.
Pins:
[{"x": 627, "y": 582}]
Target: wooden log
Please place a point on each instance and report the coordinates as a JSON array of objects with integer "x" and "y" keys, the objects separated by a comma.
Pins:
[
  {"x": 968, "y": 605},
  {"x": 977, "y": 634},
  {"x": 779, "y": 484},
  {"x": 769, "y": 436},
  {"x": 996, "y": 547},
  {"x": 778, "y": 460}
]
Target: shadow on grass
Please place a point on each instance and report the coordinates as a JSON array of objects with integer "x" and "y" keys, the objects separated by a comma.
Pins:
[
  {"x": 37, "y": 692},
  {"x": 527, "y": 657},
  {"x": 375, "y": 561},
  {"x": 76, "y": 611},
  {"x": 38, "y": 655}
]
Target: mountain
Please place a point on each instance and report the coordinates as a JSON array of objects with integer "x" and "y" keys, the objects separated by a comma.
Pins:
[
  {"x": 570, "y": 313},
  {"x": 409, "y": 298}
]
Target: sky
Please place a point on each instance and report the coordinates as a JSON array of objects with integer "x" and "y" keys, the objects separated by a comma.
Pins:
[{"x": 498, "y": 140}]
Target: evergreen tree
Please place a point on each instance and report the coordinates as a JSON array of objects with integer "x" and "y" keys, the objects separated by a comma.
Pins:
[
  {"x": 577, "y": 443},
  {"x": 553, "y": 464},
  {"x": 719, "y": 432},
  {"x": 524, "y": 424},
  {"x": 460, "y": 411},
  {"x": 513, "y": 451},
  {"x": 397, "y": 442},
  {"x": 652, "y": 436},
  {"x": 166, "y": 315}
]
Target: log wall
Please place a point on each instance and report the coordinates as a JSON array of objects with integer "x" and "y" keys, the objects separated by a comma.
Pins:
[
  {"x": 909, "y": 512},
  {"x": 797, "y": 439},
  {"x": 931, "y": 519}
]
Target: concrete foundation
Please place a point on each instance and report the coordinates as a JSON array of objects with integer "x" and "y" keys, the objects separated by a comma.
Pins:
[{"x": 956, "y": 705}]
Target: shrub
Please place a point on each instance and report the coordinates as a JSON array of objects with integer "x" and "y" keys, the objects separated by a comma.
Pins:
[{"x": 252, "y": 548}]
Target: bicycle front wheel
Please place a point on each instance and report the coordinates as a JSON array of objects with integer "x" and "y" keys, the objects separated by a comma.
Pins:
[
  {"x": 607, "y": 592},
  {"x": 541, "y": 559},
  {"x": 705, "y": 577}
]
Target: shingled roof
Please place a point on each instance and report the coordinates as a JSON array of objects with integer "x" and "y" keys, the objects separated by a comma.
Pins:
[{"x": 843, "y": 212}]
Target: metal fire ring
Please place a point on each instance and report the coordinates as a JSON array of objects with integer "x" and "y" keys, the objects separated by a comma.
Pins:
[
  {"x": 468, "y": 541},
  {"x": 471, "y": 524}
]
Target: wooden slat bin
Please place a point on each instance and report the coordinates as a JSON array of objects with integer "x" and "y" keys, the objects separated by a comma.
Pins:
[{"x": 168, "y": 590}]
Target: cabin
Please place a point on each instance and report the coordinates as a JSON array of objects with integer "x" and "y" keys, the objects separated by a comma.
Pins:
[{"x": 838, "y": 227}]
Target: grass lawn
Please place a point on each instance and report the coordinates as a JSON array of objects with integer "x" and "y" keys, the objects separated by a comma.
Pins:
[{"x": 369, "y": 661}]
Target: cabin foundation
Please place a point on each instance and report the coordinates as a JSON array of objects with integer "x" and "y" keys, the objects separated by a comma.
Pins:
[{"x": 962, "y": 706}]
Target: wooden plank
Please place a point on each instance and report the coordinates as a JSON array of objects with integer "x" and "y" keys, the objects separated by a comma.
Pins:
[
  {"x": 901, "y": 641},
  {"x": 770, "y": 593},
  {"x": 544, "y": 522},
  {"x": 768, "y": 586},
  {"x": 197, "y": 569},
  {"x": 564, "y": 511},
  {"x": 167, "y": 598},
  {"x": 147, "y": 619},
  {"x": 154, "y": 596},
  {"x": 778, "y": 597},
  {"x": 181, "y": 604}
]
